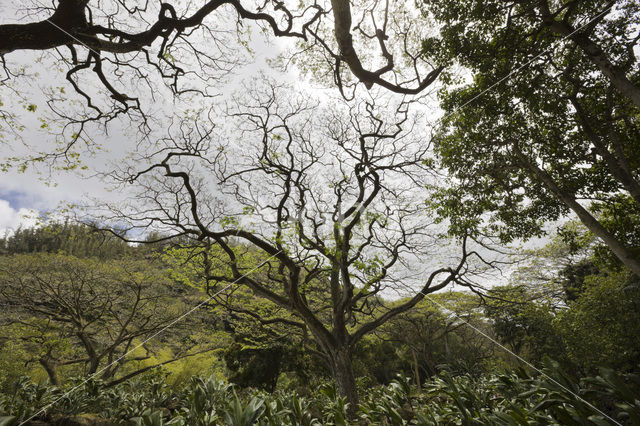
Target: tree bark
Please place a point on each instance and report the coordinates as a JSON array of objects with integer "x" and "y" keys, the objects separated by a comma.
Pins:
[
  {"x": 342, "y": 29},
  {"x": 623, "y": 253},
  {"x": 51, "y": 370},
  {"x": 68, "y": 18},
  {"x": 342, "y": 372},
  {"x": 94, "y": 359}
]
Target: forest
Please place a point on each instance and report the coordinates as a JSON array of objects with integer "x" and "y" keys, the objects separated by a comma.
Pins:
[{"x": 334, "y": 212}]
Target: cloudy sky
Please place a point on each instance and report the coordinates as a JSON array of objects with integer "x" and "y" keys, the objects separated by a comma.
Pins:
[{"x": 39, "y": 189}]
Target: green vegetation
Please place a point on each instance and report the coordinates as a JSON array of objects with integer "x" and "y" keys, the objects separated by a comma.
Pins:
[
  {"x": 563, "y": 129},
  {"x": 425, "y": 367},
  {"x": 284, "y": 257},
  {"x": 489, "y": 399}
]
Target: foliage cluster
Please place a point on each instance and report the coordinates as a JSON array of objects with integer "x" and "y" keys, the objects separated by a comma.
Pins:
[
  {"x": 492, "y": 399},
  {"x": 571, "y": 303}
]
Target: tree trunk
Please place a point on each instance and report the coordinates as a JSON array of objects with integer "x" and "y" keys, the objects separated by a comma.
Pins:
[
  {"x": 342, "y": 371},
  {"x": 616, "y": 76},
  {"x": 594, "y": 52},
  {"x": 51, "y": 370},
  {"x": 619, "y": 250},
  {"x": 416, "y": 369}
]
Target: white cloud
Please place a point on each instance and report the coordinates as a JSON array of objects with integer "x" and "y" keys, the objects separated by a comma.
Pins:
[{"x": 11, "y": 219}]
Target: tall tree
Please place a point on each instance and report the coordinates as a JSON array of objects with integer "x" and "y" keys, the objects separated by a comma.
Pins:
[
  {"x": 560, "y": 133},
  {"x": 329, "y": 198}
]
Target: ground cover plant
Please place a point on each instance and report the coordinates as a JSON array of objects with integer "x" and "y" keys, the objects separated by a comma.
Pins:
[{"x": 509, "y": 398}]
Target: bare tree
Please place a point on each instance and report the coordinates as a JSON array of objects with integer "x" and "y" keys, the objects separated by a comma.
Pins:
[
  {"x": 84, "y": 312},
  {"x": 331, "y": 198}
]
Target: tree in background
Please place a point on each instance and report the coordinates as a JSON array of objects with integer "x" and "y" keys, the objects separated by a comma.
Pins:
[
  {"x": 435, "y": 336},
  {"x": 600, "y": 325},
  {"x": 89, "y": 313},
  {"x": 78, "y": 240},
  {"x": 595, "y": 328},
  {"x": 524, "y": 323},
  {"x": 569, "y": 302},
  {"x": 261, "y": 366},
  {"x": 560, "y": 134}
]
